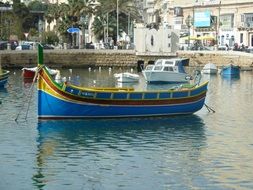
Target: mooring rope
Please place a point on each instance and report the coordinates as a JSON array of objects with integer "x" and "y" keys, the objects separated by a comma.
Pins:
[
  {"x": 209, "y": 108},
  {"x": 29, "y": 97}
]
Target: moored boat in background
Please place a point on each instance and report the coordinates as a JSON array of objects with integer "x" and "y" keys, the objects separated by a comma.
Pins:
[
  {"x": 29, "y": 73},
  {"x": 167, "y": 71},
  {"x": 65, "y": 101},
  {"x": 126, "y": 77},
  {"x": 230, "y": 70},
  {"x": 209, "y": 68},
  {"x": 4, "y": 75}
]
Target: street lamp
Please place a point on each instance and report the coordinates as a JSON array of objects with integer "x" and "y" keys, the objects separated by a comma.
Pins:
[
  {"x": 117, "y": 21},
  {"x": 84, "y": 21},
  {"x": 189, "y": 23},
  {"x": 104, "y": 26}
]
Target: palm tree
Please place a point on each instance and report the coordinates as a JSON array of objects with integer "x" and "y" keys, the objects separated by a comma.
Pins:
[
  {"x": 126, "y": 8},
  {"x": 71, "y": 13}
]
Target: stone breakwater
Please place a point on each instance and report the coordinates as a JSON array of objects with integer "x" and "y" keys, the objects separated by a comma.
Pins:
[{"x": 116, "y": 58}]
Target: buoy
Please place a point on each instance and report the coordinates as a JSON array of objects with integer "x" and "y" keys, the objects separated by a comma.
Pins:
[
  {"x": 70, "y": 70},
  {"x": 132, "y": 70},
  {"x": 99, "y": 69},
  {"x": 89, "y": 69}
]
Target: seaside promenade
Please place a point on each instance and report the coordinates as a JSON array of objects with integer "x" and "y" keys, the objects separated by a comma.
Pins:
[{"x": 118, "y": 58}]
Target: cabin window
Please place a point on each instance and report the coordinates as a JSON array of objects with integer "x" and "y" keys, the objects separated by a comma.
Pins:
[
  {"x": 159, "y": 62},
  {"x": 158, "y": 68},
  {"x": 168, "y": 69},
  {"x": 168, "y": 44},
  {"x": 168, "y": 63},
  {"x": 148, "y": 68}
]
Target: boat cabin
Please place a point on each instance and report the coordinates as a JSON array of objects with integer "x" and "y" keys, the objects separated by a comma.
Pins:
[{"x": 169, "y": 65}]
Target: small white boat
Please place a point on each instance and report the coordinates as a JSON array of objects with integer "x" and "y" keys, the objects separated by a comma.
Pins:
[
  {"x": 167, "y": 71},
  {"x": 126, "y": 77},
  {"x": 209, "y": 68}
]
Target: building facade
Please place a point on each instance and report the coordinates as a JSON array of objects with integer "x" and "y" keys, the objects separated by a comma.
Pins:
[{"x": 222, "y": 21}]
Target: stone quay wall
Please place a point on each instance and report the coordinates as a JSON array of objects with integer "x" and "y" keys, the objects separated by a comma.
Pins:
[
  {"x": 219, "y": 58},
  {"x": 69, "y": 58},
  {"x": 117, "y": 58}
]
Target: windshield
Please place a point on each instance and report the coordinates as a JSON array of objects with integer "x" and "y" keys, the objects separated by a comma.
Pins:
[
  {"x": 158, "y": 62},
  {"x": 168, "y": 63},
  {"x": 149, "y": 67},
  {"x": 158, "y": 68}
]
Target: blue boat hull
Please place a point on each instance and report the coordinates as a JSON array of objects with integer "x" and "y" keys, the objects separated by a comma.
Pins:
[
  {"x": 53, "y": 107},
  {"x": 231, "y": 70}
]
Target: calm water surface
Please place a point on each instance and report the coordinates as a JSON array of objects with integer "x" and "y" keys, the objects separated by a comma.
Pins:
[{"x": 200, "y": 151}]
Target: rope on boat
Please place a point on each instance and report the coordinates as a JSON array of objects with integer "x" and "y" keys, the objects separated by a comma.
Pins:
[
  {"x": 197, "y": 77},
  {"x": 29, "y": 97},
  {"x": 209, "y": 108}
]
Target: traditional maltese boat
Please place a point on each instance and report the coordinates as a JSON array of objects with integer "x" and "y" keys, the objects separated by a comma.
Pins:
[
  {"x": 67, "y": 101},
  {"x": 230, "y": 70},
  {"x": 4, "y": 75}
]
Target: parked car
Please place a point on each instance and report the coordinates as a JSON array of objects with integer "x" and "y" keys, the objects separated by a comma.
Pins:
[
  {"x": 222, "y": 47},
  {"x": 89, "y": 45},
  {"x": 47, "y": 46},
  {"x": 3, "y": 45},
  {"x": 249, "y": 50},
  {"x": 24, "y": 47},
  {"x": 13, "y": 43}
]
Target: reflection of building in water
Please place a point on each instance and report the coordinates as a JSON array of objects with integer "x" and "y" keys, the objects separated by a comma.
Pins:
[{"x": 45, "y": 150}]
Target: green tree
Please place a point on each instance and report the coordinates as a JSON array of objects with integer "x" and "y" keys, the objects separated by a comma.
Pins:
[
  {"x": 50, "y": 37},
  {"x": 126, "y": 8},
  {"x": 22, "y": 18},
  {"x": 37, "y": 6},
  {"x": 70, "y": 15}
]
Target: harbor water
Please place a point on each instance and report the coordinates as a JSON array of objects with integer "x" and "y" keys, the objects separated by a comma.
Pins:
[{"x": 200, "y": 151}]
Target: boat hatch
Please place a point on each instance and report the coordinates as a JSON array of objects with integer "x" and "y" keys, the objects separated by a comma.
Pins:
[{"x": 185, "y": 62}]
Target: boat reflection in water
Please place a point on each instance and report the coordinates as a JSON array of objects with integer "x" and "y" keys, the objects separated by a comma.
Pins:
[
  {"x": 92, "y": 148},
  {"x": 231, "y": 77}
]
